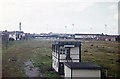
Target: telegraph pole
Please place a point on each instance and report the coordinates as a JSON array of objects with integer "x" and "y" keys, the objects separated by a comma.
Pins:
[
  {"x": 73, "y": 28},
  {"x": 105, "y": 28},
  {"x": 65, "y": 29},
  {"x": 47, "y": 28},
  {"x": 91, "y": 29}
]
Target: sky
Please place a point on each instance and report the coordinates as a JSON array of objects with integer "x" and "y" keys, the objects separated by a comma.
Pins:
[{"x": 60, "y": 16}]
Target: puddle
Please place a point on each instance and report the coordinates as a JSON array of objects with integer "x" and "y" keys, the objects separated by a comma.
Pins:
[
  {"x": 32, "y": 71},
  {"x": 14, "y": 60}
]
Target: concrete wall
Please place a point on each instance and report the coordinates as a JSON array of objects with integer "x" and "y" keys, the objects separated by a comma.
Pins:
[
  {"x": 76, "y": 73},
  {"x": 67, "y": 71},
  {"x": 55, "y": 61},
  {"x": 86, "y": 73}
]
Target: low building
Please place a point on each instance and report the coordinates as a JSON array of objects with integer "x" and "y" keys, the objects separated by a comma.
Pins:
[
  {"x": 65, "y": 51},
  {"x": 5, "y": 36},
  {"x": 82, "y": 70},
  {"x": 16, "y": 35},
  {"x": 108, "y": 38},
  {"x": 86, "y": 36}
]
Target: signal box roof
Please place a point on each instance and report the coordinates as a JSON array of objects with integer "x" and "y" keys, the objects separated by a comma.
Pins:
[
  {"x": 82, "y": 65},
  {"x": 76, "y": 43}
]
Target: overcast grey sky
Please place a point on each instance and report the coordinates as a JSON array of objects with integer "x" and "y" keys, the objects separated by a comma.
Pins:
[{"x": 38, "y": 16}]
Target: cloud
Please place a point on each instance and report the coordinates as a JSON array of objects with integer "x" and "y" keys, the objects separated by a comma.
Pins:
[
  {"x": 112, "y": 7},
  {"x": 35, "y": 14},
  {"x": 115, "y": 16}
]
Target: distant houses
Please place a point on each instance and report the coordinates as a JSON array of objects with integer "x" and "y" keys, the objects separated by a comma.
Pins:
[
  {"x": 87, "y": 36},
  {"x": 77, "y": 36},
  {"x": 14, "y": 35},
  {"x": 97, "y": 37},
  {"x": 5, "y": 36},
  {"x": 108, "y": 38},
  {"x": 19, "y": 35}
]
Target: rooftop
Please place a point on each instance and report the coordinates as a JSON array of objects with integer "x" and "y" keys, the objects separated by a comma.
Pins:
[
  {"x": 67, "y": 42},
  {"x": 82, "y": 65}
]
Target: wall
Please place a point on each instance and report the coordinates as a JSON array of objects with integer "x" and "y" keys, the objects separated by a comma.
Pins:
[
  {"x": 67, "y": 72},
  {"x": 76, "y": 73},
  {"x": 86, "y": 73},
  {"x": 55, "y": 61}
]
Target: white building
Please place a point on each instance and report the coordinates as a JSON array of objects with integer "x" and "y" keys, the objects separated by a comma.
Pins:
[
  {"x": 16, "y": 35},
  {"x": 87, "y": 36},
  {"x": 65, "y": 51},
  {"x": 81, "y": 70}
]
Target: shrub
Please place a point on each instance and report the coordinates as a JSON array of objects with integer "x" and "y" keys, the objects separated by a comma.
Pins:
[
  {"x": 111, "y": 59},
  {"x": 91, "y": 44},
  {"x": 86, "y": 50}
]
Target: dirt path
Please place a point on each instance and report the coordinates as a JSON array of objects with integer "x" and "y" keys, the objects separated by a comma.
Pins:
[{"x": 32, "y": 71}]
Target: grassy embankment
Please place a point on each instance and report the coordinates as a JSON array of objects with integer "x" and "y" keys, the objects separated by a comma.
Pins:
[
  {"x": 38, "y": 50},
  {"x": 102, "y": 53}
]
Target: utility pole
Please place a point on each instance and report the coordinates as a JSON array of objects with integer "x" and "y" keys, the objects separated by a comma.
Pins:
[
  {"x": 73, "y": 28},
  {"x": 105, "y": 28},
  {"x": 47, "y": 28},
  {"x": 65, "y": 29},
  {"x": 91, "y": 29}
]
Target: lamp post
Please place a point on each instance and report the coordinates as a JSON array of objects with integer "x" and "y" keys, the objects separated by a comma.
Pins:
[{"x": 105, "y": 28}]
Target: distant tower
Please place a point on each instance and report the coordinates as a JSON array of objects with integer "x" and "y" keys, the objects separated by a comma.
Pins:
[{"x": 20, "y": 26}]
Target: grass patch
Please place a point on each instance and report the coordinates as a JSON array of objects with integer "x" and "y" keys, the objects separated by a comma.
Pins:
[
  {"x": 86, "y": 50},
  {"x": 52, "y": 75},
  {"x": 101, "y": 53}
]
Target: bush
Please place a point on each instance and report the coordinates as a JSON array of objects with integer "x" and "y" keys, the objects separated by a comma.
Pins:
[
  {"x": 49, "y": 56},
  {"x": 111, "y": 59},
  {"x": 86, "y": 50},
  {"x": 91, "y": 44},
  {"x": 38, "y": 64}
]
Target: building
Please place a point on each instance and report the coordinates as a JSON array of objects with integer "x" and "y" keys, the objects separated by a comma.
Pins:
[
  {"x": 97, "y": 37},
  {"x": 65, "y": 51},
  {"x": 87, "y": 36},
  {"x": 5, "y": 36},
  {"x": 108, "y": 38},
  {"x": 16, "y": 35},
  {"x": 82, "y": 70}
]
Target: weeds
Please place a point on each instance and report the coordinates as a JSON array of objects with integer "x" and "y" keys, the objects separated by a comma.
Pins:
[
  {"x": 102, "y": 53},
  {"x": 86, "y": 50}
]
